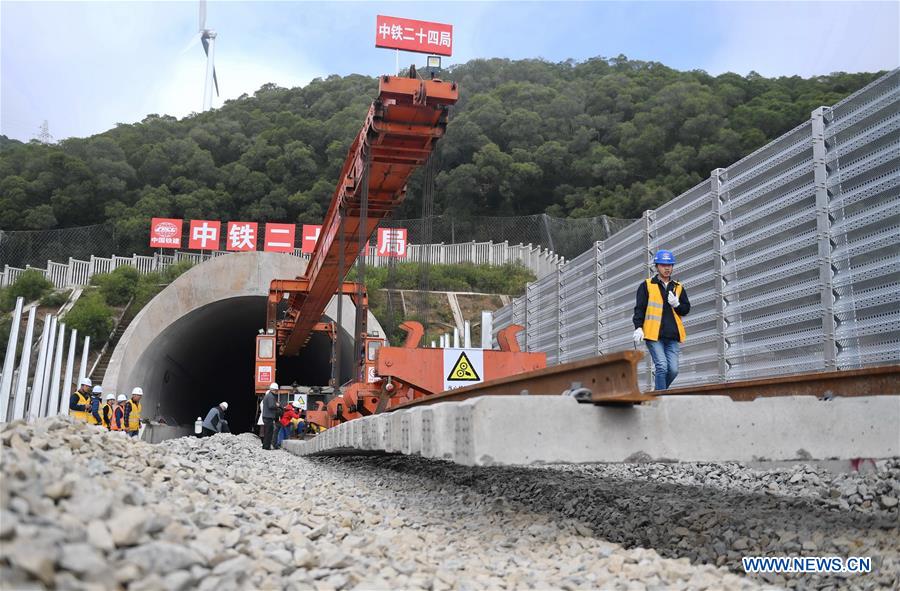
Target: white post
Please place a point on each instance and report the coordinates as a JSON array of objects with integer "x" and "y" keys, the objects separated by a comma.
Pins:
[
  {"x": 467, "y": 335},
  {"x": 433, "y": 344},
  {"x": 455, "y": 338},
  {"x": 38, "y": 384},
  {"x": 24, "y": 364},
  {"x": 82, "y": 371},
  {"x": 487, "y": 329},
  {"x": 70, "y": 368},
  {"x": 48, "y": 368},
  {"x": 53, "y": 394},
  {"x": 441, "y": 340},
  {"x": 10, "y": 360}
]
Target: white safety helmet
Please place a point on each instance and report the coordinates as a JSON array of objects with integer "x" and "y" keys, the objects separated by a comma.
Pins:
[
  {"x": 224, "y": 405},
  {"x": 110, "y": 396},
  {"x": 121, "y": 398},
  {"x": 296, "y": 405},
  {"x": 273, "y": 386},
  {"x": 137, "y": 391},
  {"x": 97, "y": 390},
  {"x": 84, "y": 382}
]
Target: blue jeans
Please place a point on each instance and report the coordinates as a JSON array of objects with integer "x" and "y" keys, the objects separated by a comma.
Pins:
[
  {"x": 664, "y": 353},
  {"x": 283, "y": 433}
]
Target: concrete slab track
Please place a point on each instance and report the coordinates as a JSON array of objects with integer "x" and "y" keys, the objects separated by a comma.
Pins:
[{"x": 523, "y": 430}]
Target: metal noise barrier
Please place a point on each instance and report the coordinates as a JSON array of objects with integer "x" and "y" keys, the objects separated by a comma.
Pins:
[{"x": 790, "y": 257}]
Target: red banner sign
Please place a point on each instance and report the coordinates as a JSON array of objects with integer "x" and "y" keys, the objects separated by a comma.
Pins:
[
  {"x": 244, "y": 236},
  {"x": 165, "y": 233},
  {"x": 394, "y": 32},
  {"x": 280, "y": 237},
  {"x": 309, "y": 238},
  {"x": 241, "y": 236},
  {"x": 204, "y": 235},
  {"x": 392, "y": 242}
]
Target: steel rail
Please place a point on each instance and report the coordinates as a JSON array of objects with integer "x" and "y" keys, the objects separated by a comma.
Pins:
[
  {"x": 870, "y": 381},
  {"x": 612, "y": 380}
]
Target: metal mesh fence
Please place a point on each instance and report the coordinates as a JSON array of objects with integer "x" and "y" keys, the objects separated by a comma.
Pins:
[
  {"x": 564, "y": 237},
  {"x": 567, "y": 237},
  {"x": 36, "y": 247},
  {"x": 791, "y": 258}
]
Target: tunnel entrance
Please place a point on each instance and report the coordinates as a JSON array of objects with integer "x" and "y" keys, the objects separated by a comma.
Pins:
[{"x": 207, "y": 357}]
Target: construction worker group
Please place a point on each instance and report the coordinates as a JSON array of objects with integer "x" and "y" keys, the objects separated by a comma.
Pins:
[{"x": 115, "y": 413}]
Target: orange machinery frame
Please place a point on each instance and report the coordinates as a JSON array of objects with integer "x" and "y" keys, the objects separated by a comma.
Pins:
[
  {"x": 404, "y": 122},
  {"x": 401, "y": 128},
  {"x": 407, "y": 373}
]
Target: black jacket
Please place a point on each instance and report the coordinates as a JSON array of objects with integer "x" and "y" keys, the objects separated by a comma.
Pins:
[
  {"x": 668, "y": 329},
  {"x": 73, "y": 402}
]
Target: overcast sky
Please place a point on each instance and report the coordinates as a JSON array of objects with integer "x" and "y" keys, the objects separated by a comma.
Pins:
[{"x": 85, "y": 66}]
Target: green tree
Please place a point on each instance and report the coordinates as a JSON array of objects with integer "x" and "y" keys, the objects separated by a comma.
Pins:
[{"x": 601, "y": 136}]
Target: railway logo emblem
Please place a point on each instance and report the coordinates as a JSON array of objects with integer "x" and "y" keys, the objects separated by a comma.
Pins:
[{"x": 463, "y": 370}]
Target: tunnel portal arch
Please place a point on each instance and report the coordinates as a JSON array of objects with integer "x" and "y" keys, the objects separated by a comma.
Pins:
[{"x": 192, "y": 346}]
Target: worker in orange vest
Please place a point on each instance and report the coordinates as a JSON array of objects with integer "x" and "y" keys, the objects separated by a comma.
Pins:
[
  {"x": 118, "y": 420},
  {"x": 660, "y": 303}
]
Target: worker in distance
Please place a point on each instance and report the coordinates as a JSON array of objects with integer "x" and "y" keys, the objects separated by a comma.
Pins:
[{"x": 660, "y": 303}]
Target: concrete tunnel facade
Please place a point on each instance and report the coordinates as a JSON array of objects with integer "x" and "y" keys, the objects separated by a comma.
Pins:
[{"x": 193, "y": 345}]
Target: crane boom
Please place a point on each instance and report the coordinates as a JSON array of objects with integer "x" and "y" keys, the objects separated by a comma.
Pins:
[{"x": 404, "y": 122}]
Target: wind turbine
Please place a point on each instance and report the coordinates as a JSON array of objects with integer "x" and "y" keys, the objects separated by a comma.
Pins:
[{"x": 208, "y": 38}]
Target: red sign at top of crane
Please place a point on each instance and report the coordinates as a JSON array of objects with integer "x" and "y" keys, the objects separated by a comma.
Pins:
[{"x": 394, "y": 32}]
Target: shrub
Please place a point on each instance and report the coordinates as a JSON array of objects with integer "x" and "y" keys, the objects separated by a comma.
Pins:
[
  {"x": 30, "y": 285},
  {"x": 5, "y": 327},
  {"x": 91, "y": 316},
  {"x": 119, "y": 286},
  {"x": 509, "y": 279},
  {"x": 56, "y": 299}
]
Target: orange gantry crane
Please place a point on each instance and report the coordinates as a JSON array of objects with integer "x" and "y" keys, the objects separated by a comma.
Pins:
[{"x": 402, "y": 126}]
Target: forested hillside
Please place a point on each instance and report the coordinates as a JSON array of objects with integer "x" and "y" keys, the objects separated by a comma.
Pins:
[{"x": 604, "y": 136}]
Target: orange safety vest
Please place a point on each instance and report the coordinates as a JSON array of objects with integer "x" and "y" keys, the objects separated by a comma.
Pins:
[
  {"x": 118, "y": 413},
  {"x": 654, "y": 311},
  {"x": 134, "y": 417},
  {"x": 112, "y": 409}
]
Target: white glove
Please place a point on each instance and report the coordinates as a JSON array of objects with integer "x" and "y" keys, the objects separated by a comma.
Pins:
[
  {"x": 673, "y": 299},
  {"x": 638, "y": 335}
]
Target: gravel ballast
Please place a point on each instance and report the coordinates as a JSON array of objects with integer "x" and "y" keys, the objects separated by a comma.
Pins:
[{"x": 82, "y": 508}]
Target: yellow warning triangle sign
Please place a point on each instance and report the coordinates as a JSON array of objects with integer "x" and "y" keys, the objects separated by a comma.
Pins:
[{"x": 463, "y": 371}]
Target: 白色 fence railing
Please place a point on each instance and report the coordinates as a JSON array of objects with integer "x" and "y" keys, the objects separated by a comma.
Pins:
[{"x": 75, "y": 272}]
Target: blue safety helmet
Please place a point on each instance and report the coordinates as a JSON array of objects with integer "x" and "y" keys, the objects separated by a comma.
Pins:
[{"x": 664, "y": 257}]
